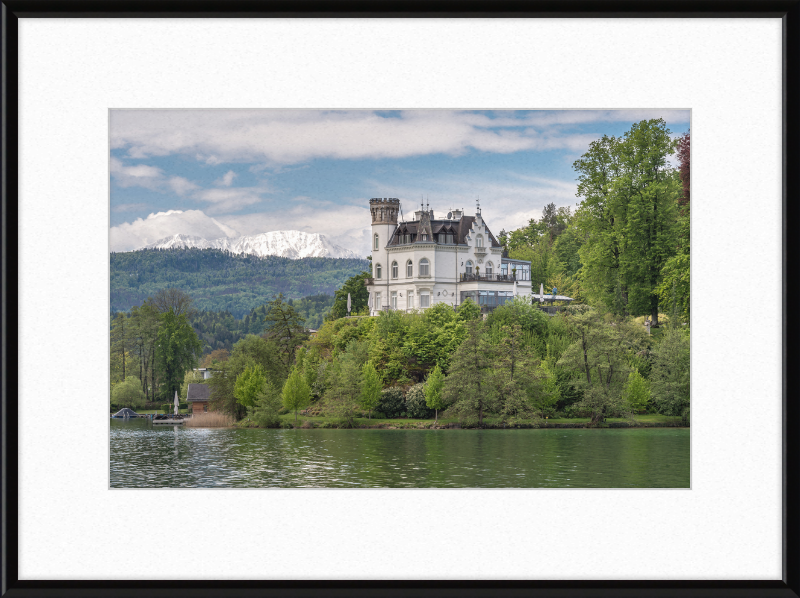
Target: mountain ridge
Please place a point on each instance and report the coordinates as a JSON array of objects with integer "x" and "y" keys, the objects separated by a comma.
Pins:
[{"x": 293, "y": 244}]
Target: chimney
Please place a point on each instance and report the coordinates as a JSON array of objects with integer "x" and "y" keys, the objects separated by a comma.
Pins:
[{"x": 456, "y": 214}]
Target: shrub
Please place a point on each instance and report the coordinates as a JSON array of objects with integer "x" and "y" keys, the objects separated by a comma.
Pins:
[
  {"x": 283, "y": 411},
  {"x": 416, "y": 407},
  {"x": 128, "y": 393},
  {"x": 392, "y": 402}
]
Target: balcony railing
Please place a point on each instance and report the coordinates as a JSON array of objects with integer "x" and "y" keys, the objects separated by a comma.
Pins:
[{"x": 487, "y": 277}]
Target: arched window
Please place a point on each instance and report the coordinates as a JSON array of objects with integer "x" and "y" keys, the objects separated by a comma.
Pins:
[
  {"x": 377, "y": 270},
  {"x": 394, "y": 269},
  {"x": 469, "y": 267},
  {"x": 424, "y": 267},
  {"x": 488, "y": 268},
  {"x": 409, "y": 269},
  {"x": 377, "y": 241}
]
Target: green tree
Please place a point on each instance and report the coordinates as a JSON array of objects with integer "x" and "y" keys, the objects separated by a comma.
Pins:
[
  {"x": 177, "y": 350},
  {"x": 637, "y": 391},
  {"x": 296, "y": 392},
  {"x": 249, "y": 384},
  {"x": 544, "y": 261},
  {"x": 128, "y": 393},
  {"x": 669, "y": 376},
  {"x": 371, "y": 386},
  {"x": 284, "y": 326},
  {"x": 433, "y": 391},
  {"x": 627, "y": 217},
  {"x": 432, "y": 337},
  {"x": 469, "y": 388},
  {"x": 468, "y": 310},
  {"x": 251, "y": 350},
  {"x": 566, "y": 248},
  {"x": 121, "y": 343},
  {"x": 144, "y": 325},
  {"x": 359, "y": 297},
  {"x": 515, "y": 374},
  {"x": 266, "y": 412},
  {"x": 216, "y": 356},
  {"x": 174, "y": 300},
  {"x": 344, "y": 392},
  {"x": 600, "y": 357}
]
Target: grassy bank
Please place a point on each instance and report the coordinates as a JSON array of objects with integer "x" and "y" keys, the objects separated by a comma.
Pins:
[{"x": 321, "y": 421}]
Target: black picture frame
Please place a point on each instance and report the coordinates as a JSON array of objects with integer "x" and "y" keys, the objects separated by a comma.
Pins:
[{"x": 12, "y": 10}]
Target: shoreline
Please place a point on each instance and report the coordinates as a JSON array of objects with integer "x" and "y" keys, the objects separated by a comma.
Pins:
[{"x": 416, "y": 425}]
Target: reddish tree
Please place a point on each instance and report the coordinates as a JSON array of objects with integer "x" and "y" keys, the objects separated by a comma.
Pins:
[{"x": 683, "y": 160}]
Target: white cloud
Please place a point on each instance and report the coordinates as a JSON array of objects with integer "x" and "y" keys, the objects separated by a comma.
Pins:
[
  {"x": 129, "y": 207},
  {"x": 181, "y": 186},
  {"x": 230, "y": 200},
  {"x": 281, "y": 137},
  {"x": 226, "y": 180},
  {"x": 507, "y": 204},
  {"x": 143, "y": 231},
  {"x": 139, "y": 175}
]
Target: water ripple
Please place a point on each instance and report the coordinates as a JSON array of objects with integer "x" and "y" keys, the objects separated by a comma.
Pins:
[{"x": 146, "y": 456}]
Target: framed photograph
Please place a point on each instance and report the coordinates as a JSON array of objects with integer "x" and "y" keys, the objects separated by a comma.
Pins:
[{"x": 458, "y": 152}]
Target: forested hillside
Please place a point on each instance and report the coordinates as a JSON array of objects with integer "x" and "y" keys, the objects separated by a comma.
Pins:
[
  {"x": 220, "y": 330},
  {"x": 217, "y": 280}
]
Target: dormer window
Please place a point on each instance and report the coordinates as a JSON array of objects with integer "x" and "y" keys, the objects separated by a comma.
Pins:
[
  {"x": 479, "y": 241},
  {"x": 424, "y": 237},
  {"x": 449, "y": 238}
]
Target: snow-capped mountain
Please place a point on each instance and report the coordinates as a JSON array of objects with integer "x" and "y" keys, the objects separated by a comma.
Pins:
[{"x": 287, "y": 243}]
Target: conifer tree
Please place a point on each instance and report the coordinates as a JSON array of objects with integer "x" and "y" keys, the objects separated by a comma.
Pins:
[{"x": 469, "y": 387}]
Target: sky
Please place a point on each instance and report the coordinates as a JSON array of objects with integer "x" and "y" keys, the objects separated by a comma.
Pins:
[{"x": 218, "y": 173}]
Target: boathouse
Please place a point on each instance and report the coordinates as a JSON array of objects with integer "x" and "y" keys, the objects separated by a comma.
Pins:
[{"x": 198, "y": 396}]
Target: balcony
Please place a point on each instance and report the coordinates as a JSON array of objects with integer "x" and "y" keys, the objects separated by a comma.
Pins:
[
  {"x": 487, "y": 277},
  {"x": 481, "y": 250}
]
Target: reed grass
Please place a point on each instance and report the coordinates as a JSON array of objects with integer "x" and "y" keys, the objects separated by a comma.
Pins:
[{"x": 211, "y": 419}]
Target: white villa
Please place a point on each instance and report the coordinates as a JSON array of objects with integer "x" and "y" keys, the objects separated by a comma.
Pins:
[{"x": 419, "y": 263}]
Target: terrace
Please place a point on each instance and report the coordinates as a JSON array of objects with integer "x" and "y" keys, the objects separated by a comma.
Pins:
[{"x": 470, "y": 277}]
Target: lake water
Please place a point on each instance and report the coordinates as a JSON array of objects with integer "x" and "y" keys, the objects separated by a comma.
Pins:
[{"x": 147, "y": 456}]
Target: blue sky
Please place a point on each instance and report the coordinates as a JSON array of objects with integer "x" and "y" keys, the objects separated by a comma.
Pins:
[{"x": 215, "y": 173}]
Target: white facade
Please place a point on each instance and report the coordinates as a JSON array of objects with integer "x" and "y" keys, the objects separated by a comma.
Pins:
[{"x": 419, "y": 263}]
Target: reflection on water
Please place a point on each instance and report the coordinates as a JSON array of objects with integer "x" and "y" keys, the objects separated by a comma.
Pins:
[{"x": 147, "y": 456}]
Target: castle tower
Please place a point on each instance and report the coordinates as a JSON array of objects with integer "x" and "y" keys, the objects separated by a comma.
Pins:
[{"x": 384, "y": 220}]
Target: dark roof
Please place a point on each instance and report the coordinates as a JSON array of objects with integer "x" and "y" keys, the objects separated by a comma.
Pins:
[
  {"x": 459, "y": 227},
  {"x": 198, "y": 392}
]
